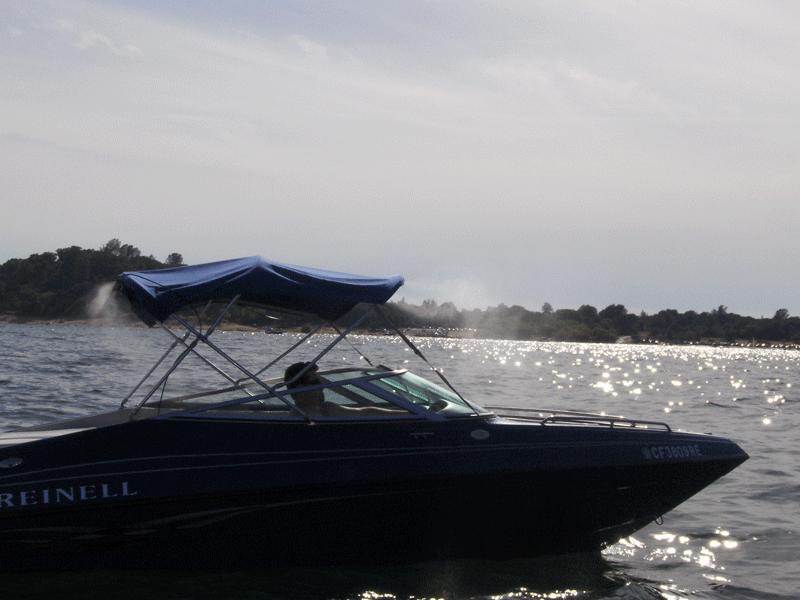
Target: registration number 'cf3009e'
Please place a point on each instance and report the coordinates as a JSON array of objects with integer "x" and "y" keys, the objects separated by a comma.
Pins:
[{"x": 661, "y": 452}]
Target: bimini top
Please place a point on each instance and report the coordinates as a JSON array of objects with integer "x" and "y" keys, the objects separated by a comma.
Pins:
[{"x": 155, "y": 295}]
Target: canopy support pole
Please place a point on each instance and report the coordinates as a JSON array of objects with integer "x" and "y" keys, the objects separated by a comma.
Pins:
[
  {"x": 418, "y": 352},
  {"x": 332, "y": 344},
  {"x": 361, "y": 354},
  {"x": 189, "y": 348},
  {"x": 164, "y": 356},
  {"x": 289, "y": 351}
]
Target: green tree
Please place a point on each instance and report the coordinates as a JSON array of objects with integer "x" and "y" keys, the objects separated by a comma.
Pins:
[
  {"x": 174, "y": 260},
  {"x": 112, "y": 247},
  {"x": 587, "y": 314}
]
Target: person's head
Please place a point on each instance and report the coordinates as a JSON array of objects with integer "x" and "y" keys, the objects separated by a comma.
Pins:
[{"x": 310, "y": 399}]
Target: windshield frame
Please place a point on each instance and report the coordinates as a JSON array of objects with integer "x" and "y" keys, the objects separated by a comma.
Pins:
[{"x": 362, "y": 378}]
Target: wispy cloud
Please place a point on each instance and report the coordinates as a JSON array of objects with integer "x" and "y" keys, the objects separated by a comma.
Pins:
[
  {"x": 314, "y": 51},
  {"x": 85, "y": 38}
]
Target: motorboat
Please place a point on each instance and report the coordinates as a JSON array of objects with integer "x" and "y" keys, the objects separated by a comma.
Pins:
[{"x": 311, "y": 463}]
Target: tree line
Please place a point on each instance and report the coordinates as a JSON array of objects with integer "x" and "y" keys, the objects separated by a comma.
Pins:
[
  {"x": 588, "y": 324},
  {"x": 61, "y": 284}
]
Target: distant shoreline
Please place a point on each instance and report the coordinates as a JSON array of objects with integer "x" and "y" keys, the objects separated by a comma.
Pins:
[
  {"x": 100, "y": 322},
  {"x": 421, "y": 332}
]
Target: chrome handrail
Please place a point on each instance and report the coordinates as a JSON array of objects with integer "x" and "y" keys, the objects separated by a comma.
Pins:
[{"x": 577, "y": 418}]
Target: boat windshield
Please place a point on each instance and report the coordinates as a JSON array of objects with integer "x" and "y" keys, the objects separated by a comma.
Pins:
[
  {"x": 345, "y": 394},
  {"x": 422, "y": 392}
]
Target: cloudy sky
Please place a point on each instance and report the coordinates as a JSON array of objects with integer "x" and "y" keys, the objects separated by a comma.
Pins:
[{"x": 585, "y": 152}]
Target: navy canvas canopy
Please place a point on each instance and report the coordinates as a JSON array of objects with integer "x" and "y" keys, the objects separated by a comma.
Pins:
[{"x": 155, "y": 295}]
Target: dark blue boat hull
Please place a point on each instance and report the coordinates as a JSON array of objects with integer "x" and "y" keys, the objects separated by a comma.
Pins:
[{"x": 184, "y": 494}]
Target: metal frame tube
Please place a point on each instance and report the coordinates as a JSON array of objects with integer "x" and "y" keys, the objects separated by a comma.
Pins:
[
  {"x": 189, "y": 348},
  {"x": 164, "y": 356}
]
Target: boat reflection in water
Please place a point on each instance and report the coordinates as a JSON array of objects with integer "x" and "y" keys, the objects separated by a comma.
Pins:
[{"x": 289, "y": 466}]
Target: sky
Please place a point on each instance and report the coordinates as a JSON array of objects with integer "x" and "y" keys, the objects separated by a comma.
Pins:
[{"x": 586, "y": 152}]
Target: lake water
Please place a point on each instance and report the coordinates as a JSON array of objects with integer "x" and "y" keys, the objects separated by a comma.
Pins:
[{"x": 738, "y": 539}]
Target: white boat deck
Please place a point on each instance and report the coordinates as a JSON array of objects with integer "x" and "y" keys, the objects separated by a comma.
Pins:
[
  {"x": 50, "y": 430},
  {"x": 21, "y": 437}
]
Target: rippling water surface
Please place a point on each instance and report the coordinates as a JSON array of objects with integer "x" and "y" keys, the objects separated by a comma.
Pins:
[{"x": 739, "y": 538}]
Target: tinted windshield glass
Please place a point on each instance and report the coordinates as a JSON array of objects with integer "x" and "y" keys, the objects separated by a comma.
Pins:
[
  {"x": 335, "y": 395},
  {"x": 424, "y": 393}
]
